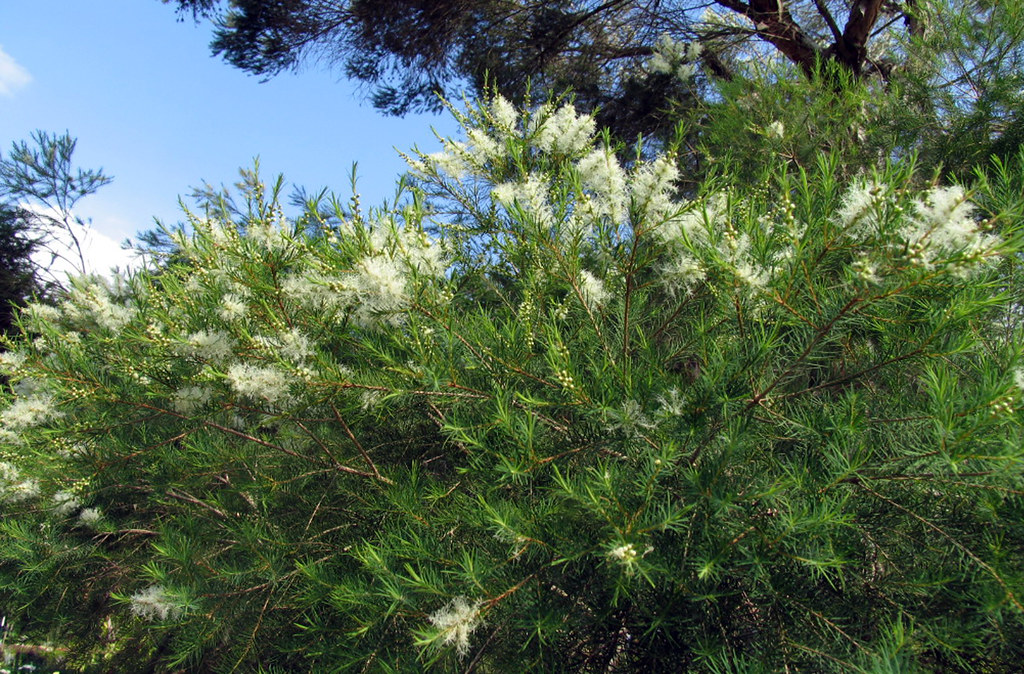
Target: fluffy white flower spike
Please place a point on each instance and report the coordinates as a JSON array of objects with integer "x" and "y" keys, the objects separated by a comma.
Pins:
[
  {"x": 565, "y": 132},
  {"x": 154, "y": 603},
  {"x": 457, "y": 620}
]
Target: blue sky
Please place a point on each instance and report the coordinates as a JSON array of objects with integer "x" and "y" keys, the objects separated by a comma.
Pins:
[{"x": 150, "y": 105}]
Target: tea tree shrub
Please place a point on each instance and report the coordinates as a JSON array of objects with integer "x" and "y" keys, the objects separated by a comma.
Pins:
[{"x": 543, "y": 416}]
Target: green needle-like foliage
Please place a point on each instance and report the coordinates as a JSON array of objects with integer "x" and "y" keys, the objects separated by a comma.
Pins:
[{"x": 542, "y": 416}]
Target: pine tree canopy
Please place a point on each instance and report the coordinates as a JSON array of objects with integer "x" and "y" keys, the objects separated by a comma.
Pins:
[{"x": 952, "y": 70}]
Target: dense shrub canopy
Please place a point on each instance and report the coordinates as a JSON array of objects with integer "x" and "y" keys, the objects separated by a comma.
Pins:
[{"x": 549, "y": 418}]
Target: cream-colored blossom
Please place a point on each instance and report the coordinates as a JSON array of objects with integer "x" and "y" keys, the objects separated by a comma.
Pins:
[
  {"x": 154, "y": 603},
  {"x": 564, "y": 131},
  {"x": 628, "y": 556},
  {"x": 457, "y": 621},
  {"x": 943, "y": 226},
  {"x": 292, "y": 345},
  {"x": 651, "y": 185},
  {"x": 421, "y": 252},
  {"x": 681, "y": 273},
  {"x": 28, "y": 411},
  {"x": 859, "y": 212},
  {"x": 776, "y": 130},
  {"x": 38, "y": 315},
  {"x": 90, "y": 301},
  {"x": 90, "y": 516},
  {"x": 270, "y": 233},
  {"x": 259, "y": 383},
  {"x": 672, "y": 57},
  {"x": 377, "y": 291},
  {"x": 531, "y": 197},
  {"x": 693, "y": 223},
  {"x": 601, "y": 173},
  {"x": 738, "y": 254},
  {"x": 672, "y": 403},
  {"x": 482, "y": 147},
  {"x": 14, "y": 488},
  {"x": 212, "y": 345},
  {"x": 452, "y": 160},
  {"x": 12, "y": 361},
  {"x": 624, "y": 553},
  {"x": 64, "y": 503},
  {"x": 504, "y": 114},
  {"x": 188, "y": 399},
  {"x": 232, "y": 307},
  {"x": 593, "y": 290}
]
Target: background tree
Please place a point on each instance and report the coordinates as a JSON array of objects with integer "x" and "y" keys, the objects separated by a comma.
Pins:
[
  {"x": 409, "y": 51},
  {"x": 17, "y": 272},
  {"x": 940, "y": 78},
  {"x": 39, "y": 177}
]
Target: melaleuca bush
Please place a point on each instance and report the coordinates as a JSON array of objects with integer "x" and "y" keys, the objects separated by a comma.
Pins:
[{"x": 544, "y": 414}]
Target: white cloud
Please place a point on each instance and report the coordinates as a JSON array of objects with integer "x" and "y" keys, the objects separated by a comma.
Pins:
[
  {"x": 12, "y": 75},
  {"x": 58, "y": 255}
]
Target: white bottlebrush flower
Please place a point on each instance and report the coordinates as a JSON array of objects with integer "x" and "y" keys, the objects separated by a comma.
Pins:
[
  {"x": 269, "y": 234},
  {"x": 232, "y": 307},
  {"x": 12, "y": 361},
  {"x": 504, "y": 114},
  {"x": 422, "y": 253},
  {"x": 28, "y": 411},
  {"x": 671, "y": 57},
  {"x": 259, "y": 383},
  {"x": 369, "y": 399},
  {"x": 681, "y": 273},
  {"x": 90, "y": 301},
  {"x": 866, "y": 271},
  {"x": 693, "y": 223},
  {"x": 631, "y": 419},
  {"x": 9, "y": 472},
  {"x": 713, "y": 21},
  {"x": 531, "y": 197},
  {"x": 601, "y": 173},
  {"x": 212, "y": 345},
  {"x": 504, "y": 194},
  {"x": 624, "y": 553},
  {"x": 482, "y": 147},
  {"x": 1018, "y": 378},
  {"x": 19, "y": 491},
  {"x": 154, "y": 603},
  {"x": 457, "y": 620},
  {"x": 628, "y": 556},
  {"x": 671, "y": 404},
  {"x": 377, "y": 291},
  {"x": 294, "y": 346},
  {"x": 12, "y": 487},
  {"x": 651, "y": 185},
  {"x": 739, "y": 256},
  {"x": 90, "y": 516},
  {"x": 859, "y": 212},
  {"x": 776, "y": 130},
  {"x": 313, "y": 290},
  {"x": 37, "y": 315},
  {"x": 290, "y": 345},
  {"x": 64, "y": 503},
  {"x": 188, "y": 399},
  {"x": 943, "y": 226},
  {"x": 564, "y": 131},
  {"x": 593, "y": 290},
  {"x": 452, "y": 160}
]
